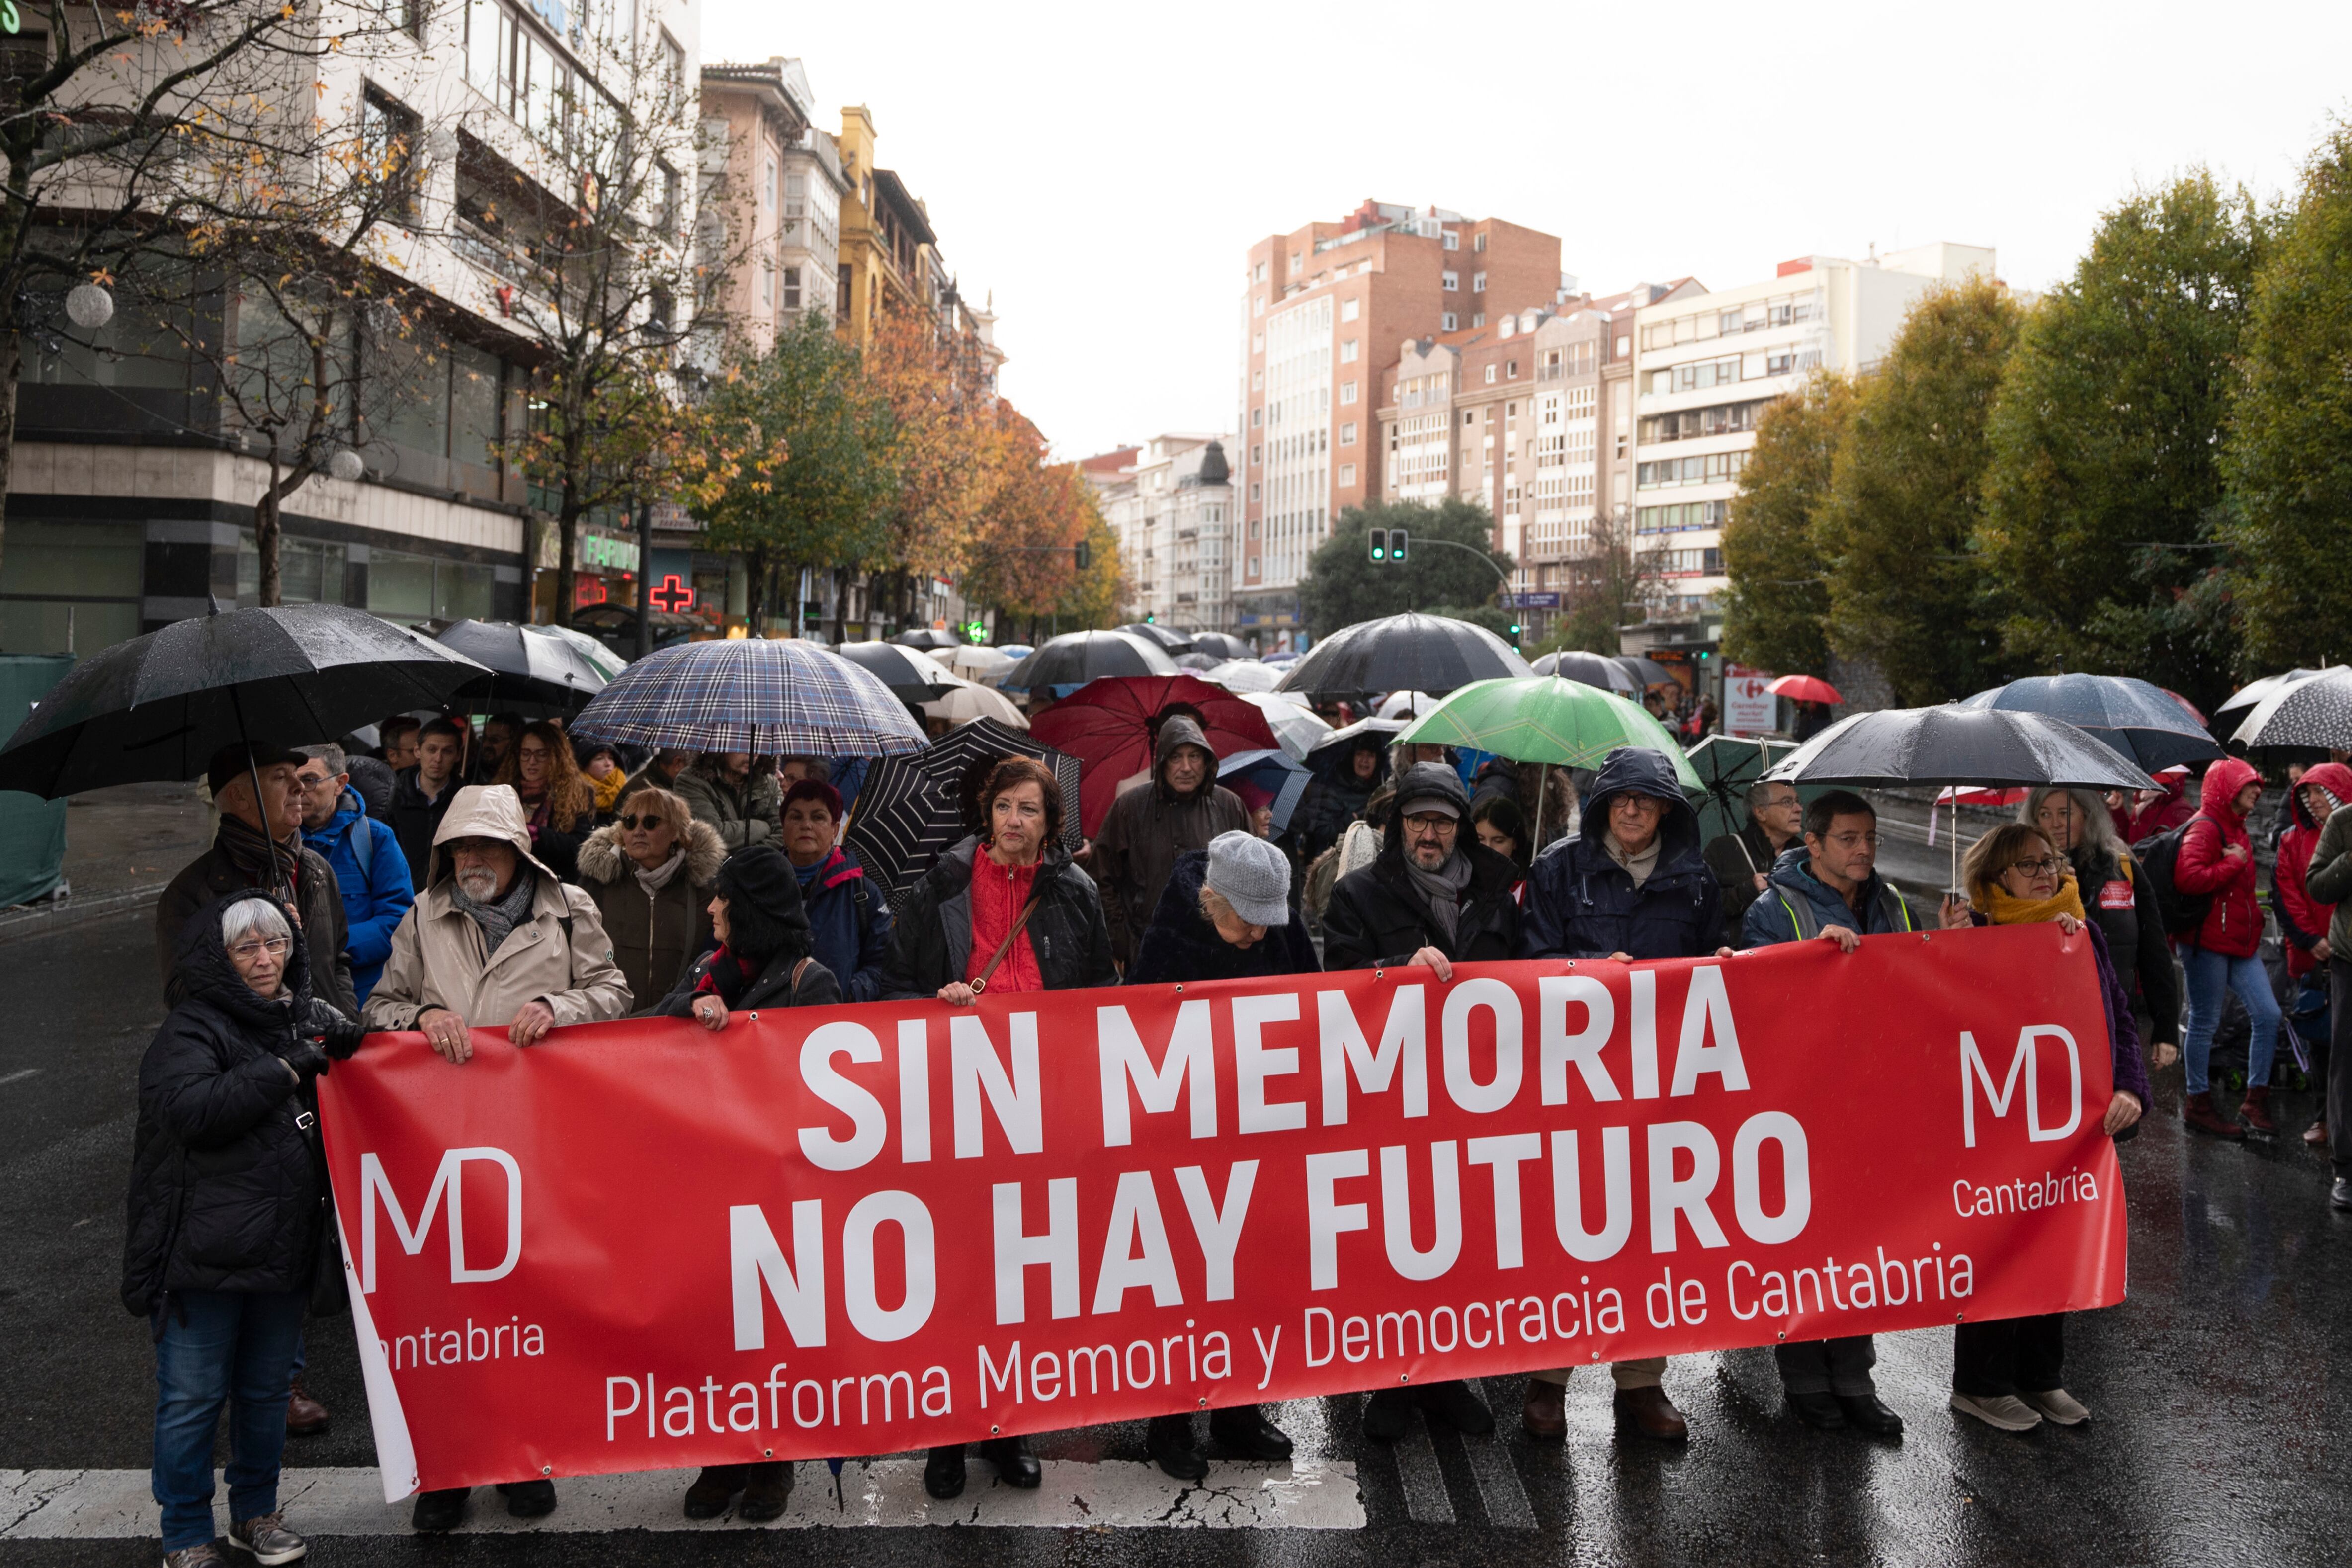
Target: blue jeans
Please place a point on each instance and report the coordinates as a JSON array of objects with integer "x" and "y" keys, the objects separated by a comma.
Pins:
[
  {"x": 221, "y": 1347},
  {"x": 2209, "y": 974}
]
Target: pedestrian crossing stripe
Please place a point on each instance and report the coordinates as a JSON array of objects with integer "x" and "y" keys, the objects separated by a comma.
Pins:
[{"x": 102, "y": 1504}]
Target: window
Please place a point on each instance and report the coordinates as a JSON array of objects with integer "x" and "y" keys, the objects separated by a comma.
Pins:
[
  {"x": 1454, "y": 239},
  {"x": 1717, "y": 469},
  {"x": 1479, "y": 243},
  {"x": 1348, "y": 433},
  {"x": 767, "y": 283},
  {"x": 1253, "y": 565},
  {"x": 796, "y": 195},
  {"x": 1478, "y": 280},
  {"x": 1624, "y": 347},
  {"x": 768, "y": 186},
  {"x": 1696, "y": 377},
  {"x": 1258, "y": 306},
  {"x": 1255, "y": 490},
  {"x": 1257, "y": 381},
  {"x": 1469, "y": 417},
  {"x": 390, "y": 134},
  {"x": 673, "y": 63},
  {"x": 1478, "y": 318},
  {"x": 1257, "y": 418},
  {"x": 1350, "y": 309},
  {"x": 1257, "y": 455},
  {"x": 1490, "y": 375},
  {"x": 1257, "y": 273},
  {"x": 1451, "y": 323},
  {"x": 792, "y": 288},
  {"x": 1511, "y": 371},
  {"x": 1681, "y": 518},
  {"x": 1297, "y": 264},
  {"x": 1721, "y": 419},
  {"x": 1348, "y": 470},
  {"x": 1257, "y": 344},
  {"x": 1348, "y": 351},
  {"x": 673, "y": 198},
  {"x": 1452, "y": 281},
  {"x": 1346, "y": 391}
]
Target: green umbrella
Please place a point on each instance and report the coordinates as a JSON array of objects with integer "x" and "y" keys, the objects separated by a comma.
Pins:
[
  {"x": 1541, "y": 719},
  {"x": 1727, "y": 767}
]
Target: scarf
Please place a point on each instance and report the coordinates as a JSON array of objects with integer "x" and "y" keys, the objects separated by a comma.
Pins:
[
  {"x": 259, "y": 862},
  {"x": 725, "y": 975},
  {"x": 2005, "y": 908},
  {"x": 607, "y": 789},
  {"x": 1443, "y": 888},
  {"x": 654, "y": 881},
  {"x": 1638, "y": 865},
  {"x": 498, "y": 918}
]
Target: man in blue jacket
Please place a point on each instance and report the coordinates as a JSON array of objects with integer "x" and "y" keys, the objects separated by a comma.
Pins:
[
  {"x": 1630, "y": 884},
  {"x": 370, "y": 868},
  {"x": 1830, "y": 888}
]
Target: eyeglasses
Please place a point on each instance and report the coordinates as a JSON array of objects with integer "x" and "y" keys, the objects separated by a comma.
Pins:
[
  {"x": 2053, "y": 866},
  {"x": 631, "y": 822},
  {"x": 276, "y": 947}
]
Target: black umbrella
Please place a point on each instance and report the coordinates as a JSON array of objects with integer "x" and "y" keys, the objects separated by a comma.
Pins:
[
  {"x": 1222, "y": 644},
  {"x": 914, "y": 806},
  {"x": 2314, "y": 714},
  {"x": 2145, "y": 723},
  {"x": 1433, "y": 653},
  {"x": 1074, "y": 658},
  {"x": 1170, "y": 640},
  {"x": 927, "y": 637},
  {"x": 1646, "y": 672},
  {"x": 157, "y": 708},
  {"x": 530, "y": 672},
  {"x": 1957, "y": 745},
  {"x": 1596, "y": 670},
  {"x": 1200, "y": 662},
  {"x": 909, "y": 675}
]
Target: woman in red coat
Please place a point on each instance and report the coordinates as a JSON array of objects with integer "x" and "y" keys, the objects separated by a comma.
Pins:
[
  {"x": 2303, "y": 919},
  {"x": 2217, "y": 861}
]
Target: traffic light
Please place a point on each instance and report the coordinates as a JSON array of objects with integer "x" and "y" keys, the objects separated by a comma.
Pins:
[
  {"x": 1514, "y": 633},
  {"x": 1396, "y": 544},
  {"x": 1380, "y": 545},
  {"x": 1151, "y": 618},
  {"x": 1086, "y": 554}
]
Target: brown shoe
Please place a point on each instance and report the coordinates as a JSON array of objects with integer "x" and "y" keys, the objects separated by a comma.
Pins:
[
  {"x": 2256, "y": 1112},
  {"x": 1545, "y": 1412},
  {"x": 2316, "y": 1133},
  {"x": 305, "y": 1416},
  {"x": 2197, "y": 1114},
  {"x": 1649, "y": 1412}
]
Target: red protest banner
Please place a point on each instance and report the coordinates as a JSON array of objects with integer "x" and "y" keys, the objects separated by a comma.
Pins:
[{"x": 864, "y": 1230}]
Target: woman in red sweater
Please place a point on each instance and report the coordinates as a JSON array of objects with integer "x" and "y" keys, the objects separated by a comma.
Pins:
[{"x": 2217, "y": 859}]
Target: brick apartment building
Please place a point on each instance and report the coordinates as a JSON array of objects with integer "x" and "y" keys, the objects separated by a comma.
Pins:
[{"x": 1323, "y": 312}]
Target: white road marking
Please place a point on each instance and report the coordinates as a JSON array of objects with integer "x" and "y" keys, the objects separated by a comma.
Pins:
[
  {"x": 22, "y": 1072},
  {"x": 1500, "y": 1490},
  {"x": 1320, "y": 1495},
  {"x": 1427, "y": 1500}
]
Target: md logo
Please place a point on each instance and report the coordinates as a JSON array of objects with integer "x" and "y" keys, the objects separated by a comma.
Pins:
[
  {"x": 2023, "y": 1067},
  {"x": 449, "y": 1186}
]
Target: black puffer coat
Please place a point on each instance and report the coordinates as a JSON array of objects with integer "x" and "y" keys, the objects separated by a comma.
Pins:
[
  {"x": 930, "y": 944},
  {"x": 1183, "y": 945},
  {"x": 226, "y": 1189}
]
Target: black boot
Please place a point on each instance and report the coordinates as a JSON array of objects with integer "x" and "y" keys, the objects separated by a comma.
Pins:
[
  {"x": 528, "y": 1500},
  {"x": 1244, "y": 1429},
  {"x": 1168, "y": 1443},
  {"x": 1818, "y": 1408},
  {"x": 1015, "y": 1465},
  {"x": 1453, "y": 1403},
  {"x": 767, "y": 1488},
  {"x": 1867, "y": 1412},
  {"x": 1388, "y": 1414},
  {"x": 436, "y": 1511},
  {"x": 943, "y": 1472},
  {"x": 707, "y": 1497}
]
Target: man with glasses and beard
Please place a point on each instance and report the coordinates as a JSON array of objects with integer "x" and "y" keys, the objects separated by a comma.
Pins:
[
  {"x": 494, "y": 941},
  {"x": 1435, "y": 898}
]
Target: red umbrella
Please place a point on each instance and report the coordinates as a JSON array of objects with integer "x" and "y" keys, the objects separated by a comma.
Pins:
[
  {"x": 1805, "y": 689},
  {"x": 2189, "y": 707},
  {"x": 1109, "y": 725}
]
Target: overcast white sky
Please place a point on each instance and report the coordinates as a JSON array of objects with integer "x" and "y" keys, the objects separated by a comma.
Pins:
[{"x": 1102, "y": 167}]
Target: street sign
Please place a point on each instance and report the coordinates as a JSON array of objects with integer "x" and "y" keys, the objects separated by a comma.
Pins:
[
  {"x": 1748, "y": 707},
  {"x": 1531, "y": 601}
]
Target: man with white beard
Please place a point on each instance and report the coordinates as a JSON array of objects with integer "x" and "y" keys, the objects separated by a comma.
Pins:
[{"x": 493, "y": 941}]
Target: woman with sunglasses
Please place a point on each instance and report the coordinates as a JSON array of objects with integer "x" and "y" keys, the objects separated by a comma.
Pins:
[
  {"x": 2007, "y": 1373},
  {"x": 650, "y": 874}
]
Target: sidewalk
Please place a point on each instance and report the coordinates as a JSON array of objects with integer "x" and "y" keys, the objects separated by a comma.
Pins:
[{"x": 123, "y": 845}]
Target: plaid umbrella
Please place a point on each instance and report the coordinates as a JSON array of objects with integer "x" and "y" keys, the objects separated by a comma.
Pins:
[
  {"x": 1111, "y": 725},
  {"x": 747, "y": 694},
  {"x": 914, "y": 808}
]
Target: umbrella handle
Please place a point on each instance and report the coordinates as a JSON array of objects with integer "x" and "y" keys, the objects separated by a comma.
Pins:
[{"x": 254, "y": 773}]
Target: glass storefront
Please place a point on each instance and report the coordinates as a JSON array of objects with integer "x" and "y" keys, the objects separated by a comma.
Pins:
[
  {"x": 69, "y": 588},
  {"x": 412, "y": 588}
]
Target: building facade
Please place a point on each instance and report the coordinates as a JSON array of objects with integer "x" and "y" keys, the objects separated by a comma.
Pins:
[
  {"x": 134, "y": 491},
  {"x": 1324, "y": 310},
  {"x": 1707, "y": 365},
  {"x": 778, "y": 180},
  {"x": 1171, "y": 507}
]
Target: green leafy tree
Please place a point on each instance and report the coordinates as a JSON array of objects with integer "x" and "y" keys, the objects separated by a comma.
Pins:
[
  {"x": 821, "y": 478},
  {"x": 2104, "y": 497},
  {"x": 2288, "y": 457},
  {"x": 1611, "y": 585},
  {"x": 1776, "y": 609},
  {"x": 1344, "y": 585},
  {"x": 1906, "y": 588}
]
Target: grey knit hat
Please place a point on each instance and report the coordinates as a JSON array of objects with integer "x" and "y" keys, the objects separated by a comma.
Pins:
[{"x": 1252, "y": 875}]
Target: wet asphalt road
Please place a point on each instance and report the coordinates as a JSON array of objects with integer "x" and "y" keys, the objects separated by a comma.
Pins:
[{"x": 2221, "y": 1390}]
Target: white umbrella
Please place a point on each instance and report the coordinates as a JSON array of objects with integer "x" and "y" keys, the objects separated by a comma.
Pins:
[
  {"x": 1406, "y": 704},
  {"x": 1296, "y": 727},
  {"x": 974, "y": 663},
  {"x": 969, "y": 700},
  {"x": 1246, "y": 675}
]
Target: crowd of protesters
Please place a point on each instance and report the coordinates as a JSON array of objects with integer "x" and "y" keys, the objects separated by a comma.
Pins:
[{"x": 504, "y": 876}]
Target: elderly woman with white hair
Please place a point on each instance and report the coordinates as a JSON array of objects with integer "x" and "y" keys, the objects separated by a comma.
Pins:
[
  {"x": 224, "y": 1209},
  {"x": 2117, "y": 893}
]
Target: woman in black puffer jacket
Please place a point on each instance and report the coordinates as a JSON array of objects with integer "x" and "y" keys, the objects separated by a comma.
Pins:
[{"x": 226, "y": 1203}]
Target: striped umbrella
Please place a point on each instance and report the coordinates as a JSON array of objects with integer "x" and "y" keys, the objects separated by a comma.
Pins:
[
  {"x": 770, "y": 698},
  {"x": 913, "y": 809}
]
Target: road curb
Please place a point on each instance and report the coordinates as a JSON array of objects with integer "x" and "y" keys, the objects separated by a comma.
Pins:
[{"x": 42, "y": 919}]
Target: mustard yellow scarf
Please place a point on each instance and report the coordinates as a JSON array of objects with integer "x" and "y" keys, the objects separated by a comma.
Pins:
[{"x": 2003, "y": 907}]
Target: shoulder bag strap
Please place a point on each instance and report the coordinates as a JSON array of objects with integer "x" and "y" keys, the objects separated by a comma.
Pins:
[
  {"x": 981, "y": 985},
  {"x": 798, "y": 970}
]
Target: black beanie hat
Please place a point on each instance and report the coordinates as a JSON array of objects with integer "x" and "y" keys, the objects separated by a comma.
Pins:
[{"x": 764, "y": 912}]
